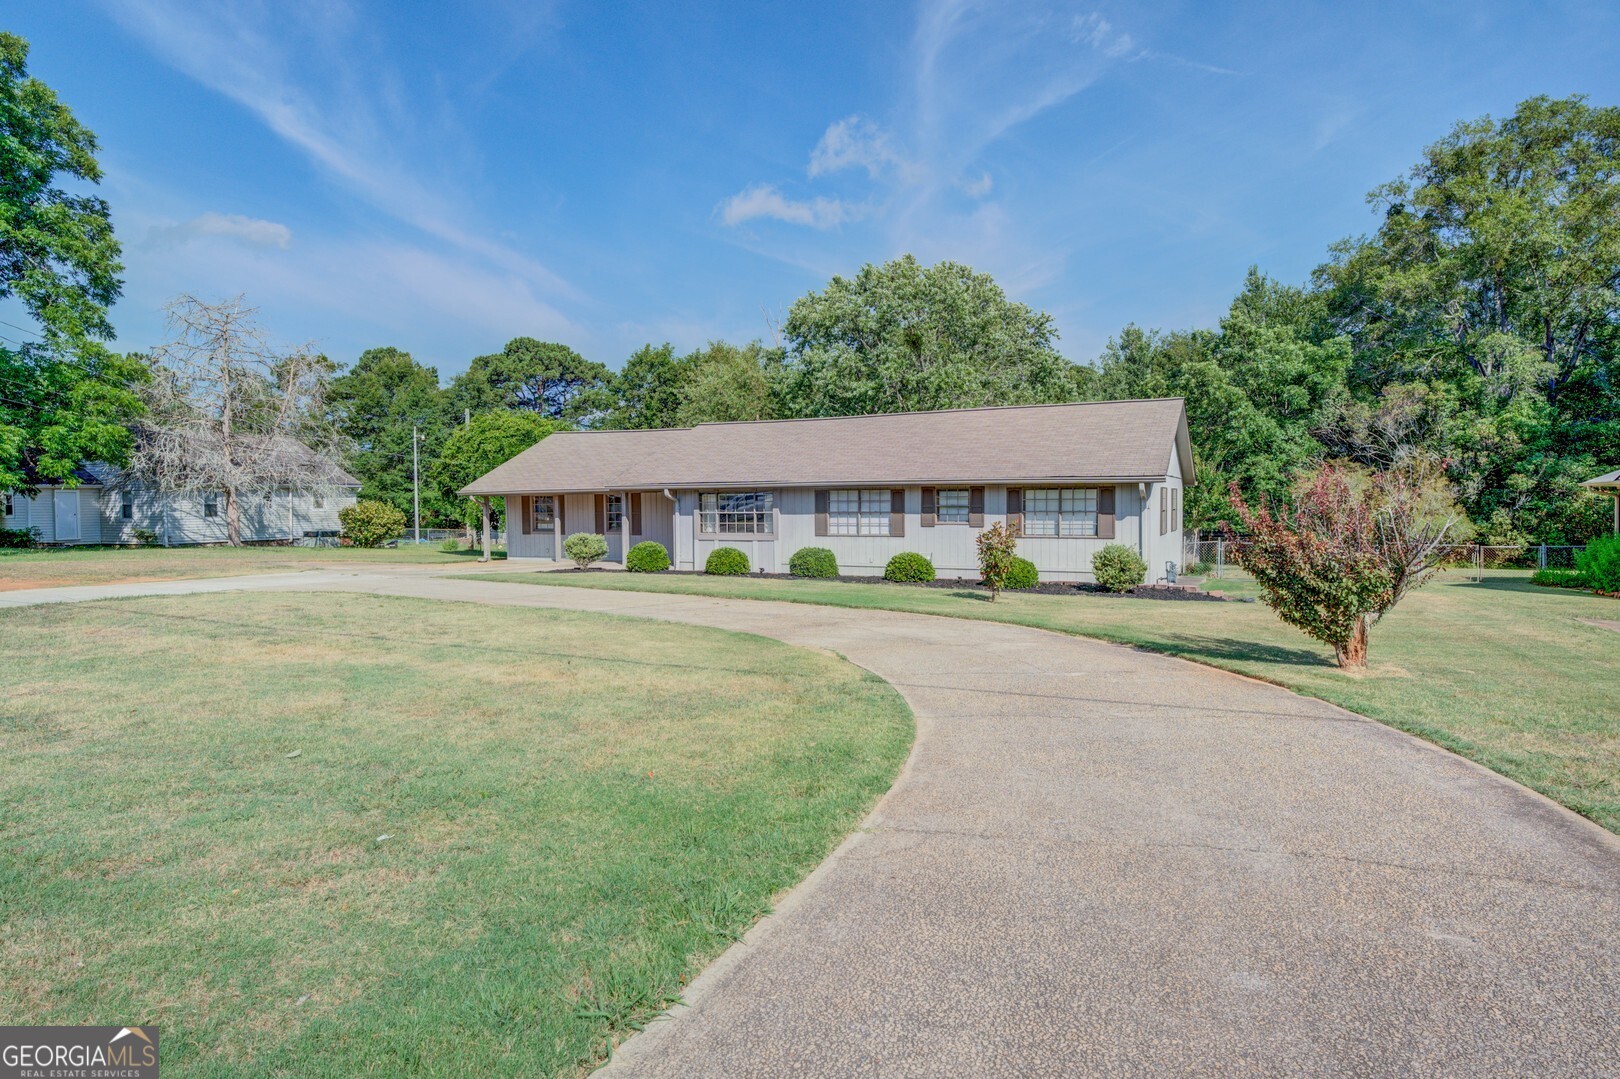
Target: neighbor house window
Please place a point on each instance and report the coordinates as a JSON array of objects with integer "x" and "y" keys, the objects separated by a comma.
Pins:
[
  {"x": 542, "y": 513},
  {"x": 858, "y": 513},
  {"x": 953, "y": 506},
  {"x": 736, "y": 512},
  {"x": 615, "y": 512},
  {"x": 319, "y": 501},
  {"x": 8, "y": 507},
  {"x": 210, "y": 505},
  {"x": 1060, "y": 511},
  {"x": 126, "y": 506}
]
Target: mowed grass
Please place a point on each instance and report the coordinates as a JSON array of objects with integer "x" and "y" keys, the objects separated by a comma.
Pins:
[
  {"x": 1516, "y": 677},
  {"x": 339, "y": 835},
  {"x": 57, "y": 566}
]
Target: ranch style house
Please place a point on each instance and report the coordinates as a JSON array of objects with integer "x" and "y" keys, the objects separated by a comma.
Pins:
[{"x": 1075, "y": 477}]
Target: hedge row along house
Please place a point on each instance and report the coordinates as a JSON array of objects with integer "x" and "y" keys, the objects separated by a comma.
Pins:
[{"x": 1075, "y": 477}]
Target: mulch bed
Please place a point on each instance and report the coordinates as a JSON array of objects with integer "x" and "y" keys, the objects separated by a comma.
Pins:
[{"x": 1045, "y": 588}]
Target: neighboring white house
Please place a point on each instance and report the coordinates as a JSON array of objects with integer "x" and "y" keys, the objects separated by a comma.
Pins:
[
  {"x": 1075, "y": 477},
  {"x": 109, "y": 506}
]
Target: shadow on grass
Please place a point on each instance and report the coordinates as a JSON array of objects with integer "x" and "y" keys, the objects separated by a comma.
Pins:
[
  {"x": 1224, "y": 649},
  {"x": 979, "y": 597}
]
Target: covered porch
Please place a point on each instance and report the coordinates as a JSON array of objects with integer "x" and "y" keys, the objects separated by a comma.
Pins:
[
  {"x": 538, "y": 523},
  {"x": 1609, "y": 481}
]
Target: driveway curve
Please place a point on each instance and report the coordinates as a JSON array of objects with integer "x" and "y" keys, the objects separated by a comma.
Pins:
[{"x": 1100, "y": 860}]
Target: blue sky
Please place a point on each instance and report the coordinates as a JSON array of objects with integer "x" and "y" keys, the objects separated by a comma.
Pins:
[{"x": 445, "y": 177}]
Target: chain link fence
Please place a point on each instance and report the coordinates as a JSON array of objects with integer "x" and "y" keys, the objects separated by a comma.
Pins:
[{"x": 1214, "y": 557}]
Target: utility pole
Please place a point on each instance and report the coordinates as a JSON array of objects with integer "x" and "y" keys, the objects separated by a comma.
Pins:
[
  {"x": 416, "y": 485},
  {"x": 466, "y": 417}
]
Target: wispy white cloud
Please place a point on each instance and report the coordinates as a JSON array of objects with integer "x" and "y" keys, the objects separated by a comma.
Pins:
[
  {"x": 858, "y": 142},
  {"x": 765, "y": 201},
  {"x": 253, "y": 231},
  {"x": 294, "y": 67},
  {"x": 1094, "y": 30}
]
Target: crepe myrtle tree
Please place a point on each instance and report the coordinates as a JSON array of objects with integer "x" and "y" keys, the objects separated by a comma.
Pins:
[
  {"x": 1348, "y": 550},
  {"x": 227, "y": 412},
  {"x": 998, "y": 552}
]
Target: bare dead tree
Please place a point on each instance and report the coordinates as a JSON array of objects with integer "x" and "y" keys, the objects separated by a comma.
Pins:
[{"x": 230, "y": 413}]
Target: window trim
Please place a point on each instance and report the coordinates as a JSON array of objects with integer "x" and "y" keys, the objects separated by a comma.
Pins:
[
  {"x": 1096, "y": 514},
  {"x": 885, "y": 500},
  {"x": 537, "y": 523},
  {"x": 8, "y": 508},
  {"x": 967, "y": 507},
  {"x": 765, "y": 492},
  {"x": 210, "y": 505},
  {"x": 608, "y": 527},
  {"x": 126, "y": 505}
]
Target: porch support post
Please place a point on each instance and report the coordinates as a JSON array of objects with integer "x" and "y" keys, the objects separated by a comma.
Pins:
[
  {"x": 624, "y": 528},
  {"x": 556, "y": 527},
  {"x": 483, "y": 503}
]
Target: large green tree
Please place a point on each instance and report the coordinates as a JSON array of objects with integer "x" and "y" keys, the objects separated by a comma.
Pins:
[
  {"x": 903, "y": 336},
  {"x": 477, "y": 447},
  {"x": 1483, "y": 313},
  {"x": 647, "y": 390},
  {"x": 64, "y": 398},
  {"x": 376, "y": 404},
  {"x": 543, "y": 377}
]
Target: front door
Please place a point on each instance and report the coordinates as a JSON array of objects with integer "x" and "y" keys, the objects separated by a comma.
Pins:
[{"x": 67, "y": 516}]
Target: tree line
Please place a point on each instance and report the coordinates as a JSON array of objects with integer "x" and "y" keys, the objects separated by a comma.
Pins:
[{"x": 1476, "y": 327}]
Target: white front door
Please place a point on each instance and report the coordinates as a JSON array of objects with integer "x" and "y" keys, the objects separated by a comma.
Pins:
[{"x": 67, "y": 515}]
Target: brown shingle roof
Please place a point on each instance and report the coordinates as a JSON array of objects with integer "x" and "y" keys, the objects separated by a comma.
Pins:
[{"x": 1105, "y": 440}]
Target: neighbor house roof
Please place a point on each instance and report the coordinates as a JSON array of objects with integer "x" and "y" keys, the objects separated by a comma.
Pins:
[
  {"x": 1608, "y": 479},
  {"x": 1107, "y": 440}
]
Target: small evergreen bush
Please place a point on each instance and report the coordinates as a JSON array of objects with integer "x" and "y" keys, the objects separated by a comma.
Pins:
[
  {"x": 813, "y": 562},
  {"x": 450, "y": 545},
  {"x": 144, "y": 537},
  {"x": 1600, "y": 564},
  {"x": 369, "y": 523},
  {"x": 1023, "y": 574},
  {"x": 647, "y": 557},
  {"x": 909, "y": 567},
  {"x": 584, "y": 548},
  {"x": 1559, "y": 578},
  {"x": 1118, "y": 568},
  {"x": 726, "y": 562},
  {"x": 19, "y": 537}
]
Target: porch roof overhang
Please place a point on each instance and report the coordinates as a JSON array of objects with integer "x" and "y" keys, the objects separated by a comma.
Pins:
[{"x": 1608, "y": 479}]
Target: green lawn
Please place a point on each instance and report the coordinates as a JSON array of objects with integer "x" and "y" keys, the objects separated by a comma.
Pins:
[
  {"x": 53, "y": 566},
  {"x": 1501, "y": 671},
  {"x": 334, "y": 835}
]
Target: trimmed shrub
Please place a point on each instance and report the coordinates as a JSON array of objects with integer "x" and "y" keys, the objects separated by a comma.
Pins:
[
  {"x": 726, "y": 562},
  {"x": 909, "y": 567},
  {"x": 813, "y": 562},
  {"x": 144, "y": 537},
  {"x": 450, "y": 545},
  {"x": 19, "y": 537},
  {"x": 647, "y": 557},
  {"x": 1600, "y": 564},
  {"x": 1559, "y": 578},
  {"x": 584, "y": 548},
  {"x": 1023, "y": 574},
  {"x": 1118, "y": 568},
  {"x": 369, "y": 523}
]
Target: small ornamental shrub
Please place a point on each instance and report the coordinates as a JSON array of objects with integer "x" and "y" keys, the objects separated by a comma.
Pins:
[
  {"x": 1118, "y": 568},
  {"x": 813, "y": 562},
  {"x": 1559, "y": 578},
  {"x": 369, "y": 523},
  {"x": 450, "y": 545},
  {"x": 1022, "y": 575},
  {"x": 909, "y": 567},
  {"x": 144, "y": 537},
  {"x": 1600, "y": 564},
  {"x": 998, "y": 549},
  {"x": 647, "y": 557},
  {"x": 19, "y": 537},
  {"x": 584, "y": 548},
  {"x": 726, "y": 562}
]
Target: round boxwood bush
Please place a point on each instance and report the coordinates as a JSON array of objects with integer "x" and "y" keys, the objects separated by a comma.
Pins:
[
  {"x": 726, "y": 562},
  {"x": 1118, "y": 568},
  {"x": 647, "y": 557},
  {"x": 585, "y": 548},
  {"x": 369, "y": 523},
  {"x": 1023, "y": 574},
  {"x": 909, "y": 567},
  {"x": 813, "y": 562}
]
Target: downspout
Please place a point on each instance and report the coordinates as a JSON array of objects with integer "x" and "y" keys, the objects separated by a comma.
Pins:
[{"x": 1141, "y": 521}]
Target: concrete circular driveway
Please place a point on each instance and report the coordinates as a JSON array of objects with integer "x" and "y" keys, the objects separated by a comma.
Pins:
[{"x": 1099, "y": 860}]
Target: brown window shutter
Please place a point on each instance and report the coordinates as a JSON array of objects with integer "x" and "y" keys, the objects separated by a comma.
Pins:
[
  {"x": 1164, "y": 510},
  {"x": 635, "y": 513},
  {"x": 1105, "y": 513},
  {"x": 930, "y": 506},
  {"x": 975, "y": 507},
  {"x": 601, "y": 514},
  {"x": 525, "y": 505},
  {"x": 1015, "y": 507},
  {"x": 897, "y": 511},
  {"x": 822, "y": 501}
]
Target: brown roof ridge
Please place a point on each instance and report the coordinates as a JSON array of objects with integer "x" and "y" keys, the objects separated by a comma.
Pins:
[{"x": 925, "y": 412}]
